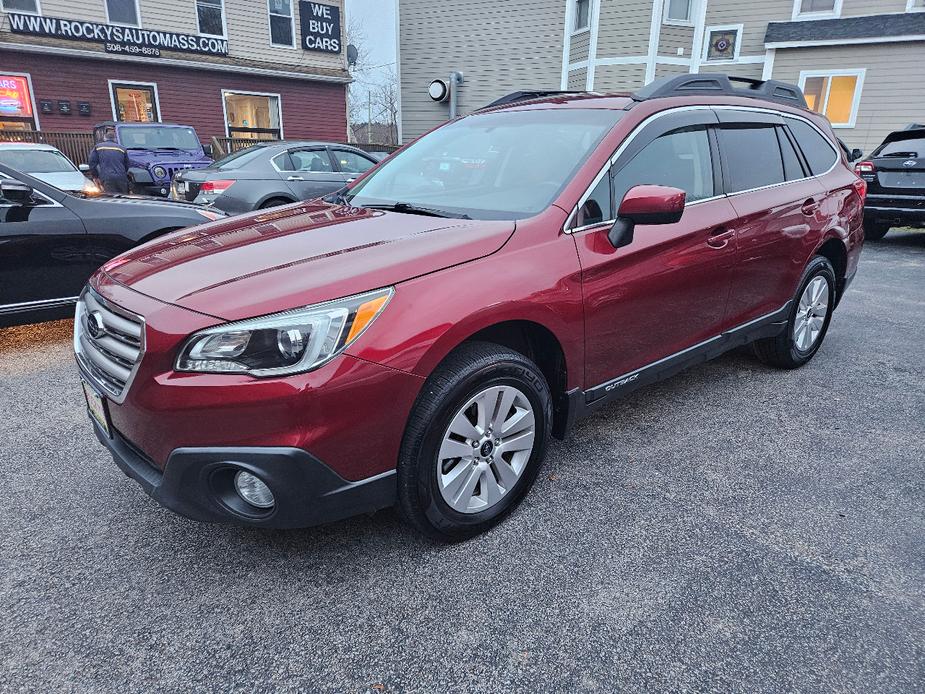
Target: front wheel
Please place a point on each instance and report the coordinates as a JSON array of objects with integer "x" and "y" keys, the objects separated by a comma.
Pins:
[
  {"x": 474, "y": 442},
  {"x": 809, "y": 319}
]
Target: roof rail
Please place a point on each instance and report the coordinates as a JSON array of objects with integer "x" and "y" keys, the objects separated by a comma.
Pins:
[
  {"x": 514, "y": 97},
  {"x": 710, "y": 84}
]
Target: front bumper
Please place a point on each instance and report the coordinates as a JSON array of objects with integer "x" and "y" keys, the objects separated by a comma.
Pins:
[{"x": 198, "y": 483}]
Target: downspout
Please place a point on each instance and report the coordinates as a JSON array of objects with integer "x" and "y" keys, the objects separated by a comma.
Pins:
[{"x": 456, "y": 79}]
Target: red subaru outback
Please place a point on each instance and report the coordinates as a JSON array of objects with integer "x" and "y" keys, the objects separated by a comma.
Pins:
[{"x": 417, "y": 340}]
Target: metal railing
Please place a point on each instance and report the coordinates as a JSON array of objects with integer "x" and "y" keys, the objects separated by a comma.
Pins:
[{"x": 76, "y": 146}]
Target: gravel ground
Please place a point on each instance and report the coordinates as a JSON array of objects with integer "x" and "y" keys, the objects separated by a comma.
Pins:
[{"x": 734, "y": 529}]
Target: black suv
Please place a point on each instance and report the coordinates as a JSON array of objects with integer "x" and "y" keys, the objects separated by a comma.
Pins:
[{"x": 895, "y": 175}]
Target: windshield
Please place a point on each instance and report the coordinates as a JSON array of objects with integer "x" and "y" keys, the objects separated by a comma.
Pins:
[
  {"x": 911, "y": 147},
  {"x": 236, "y": 160},
  {"x": 158, "y": 137},
  {"x": 505, "y": 165},
  {"x": 36, "y": 161}
]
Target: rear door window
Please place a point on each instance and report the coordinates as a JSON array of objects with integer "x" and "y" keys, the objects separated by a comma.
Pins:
[
  {"x": 819, "y": 153},
  {"x": 751, "y": 155},
  {"x": 679, "y": 159}
]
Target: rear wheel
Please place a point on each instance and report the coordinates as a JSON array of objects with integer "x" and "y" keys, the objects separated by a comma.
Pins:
[
  {"x": 874, "y": 231},
  {"x": 474, "y": 442},
  {"x": 274, "y": 202},
  {"x": 809, "y": 319}
]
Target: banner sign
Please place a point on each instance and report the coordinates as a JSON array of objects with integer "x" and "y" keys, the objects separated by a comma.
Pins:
[
  {"x": 320, "y": 27},
  {"x": 15, "y": 99},
  {"x": 118, "y": 39}
]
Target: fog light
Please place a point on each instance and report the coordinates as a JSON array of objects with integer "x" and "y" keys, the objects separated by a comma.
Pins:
[{"x": 253, "y": 490}]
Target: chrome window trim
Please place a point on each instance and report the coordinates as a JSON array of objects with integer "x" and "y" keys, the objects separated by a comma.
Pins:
[
  {"x": 87, "y": 370},
  {"x": 288, "y": 152},
  {"x": 655, "y": 116}
]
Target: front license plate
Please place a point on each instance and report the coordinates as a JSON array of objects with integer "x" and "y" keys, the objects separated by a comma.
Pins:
[
  {"x": 181, "y": 187},
  {"x": 96, "y": 405}
]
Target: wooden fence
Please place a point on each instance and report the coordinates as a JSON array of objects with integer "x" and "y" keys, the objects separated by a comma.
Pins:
[{"x": 76, "y": 146}]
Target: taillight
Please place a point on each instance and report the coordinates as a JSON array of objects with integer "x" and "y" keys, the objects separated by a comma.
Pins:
[
  {"x": 865, "y": 167},
  {"x": 860, "y": 186},
  {"x": 215, "y": 187}
]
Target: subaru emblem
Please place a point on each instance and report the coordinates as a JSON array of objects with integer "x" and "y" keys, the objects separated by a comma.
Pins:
[
  {"x": 95, "y": 325},
  {"x": 910, "y": 163}
]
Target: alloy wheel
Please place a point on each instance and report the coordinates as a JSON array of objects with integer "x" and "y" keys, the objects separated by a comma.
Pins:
[
  {"x": 485, "y": 449},
  {"x": 811, "y": 314}
]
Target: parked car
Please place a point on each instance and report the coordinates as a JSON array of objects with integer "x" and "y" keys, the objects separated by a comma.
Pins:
[
  {"x": 895, "y": 176},
  {"x": 156, "y": 152},
  {"x": 51, "y": 241},
  {"x": 47, "y": 164},
  {"x": 419, "y": 340},
  {"x": 272, "y": 174}
]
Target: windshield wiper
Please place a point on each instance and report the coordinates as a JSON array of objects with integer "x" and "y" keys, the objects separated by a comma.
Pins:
[{"x": 408, "y": 208}]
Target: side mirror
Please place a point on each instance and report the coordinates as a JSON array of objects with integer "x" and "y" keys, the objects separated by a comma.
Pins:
[
  {"x": 646, "y": 204},
  {"x": 16, "y": 191},
  {"x": 84, "y": 168},
  {"x": 856, "y": 154}
]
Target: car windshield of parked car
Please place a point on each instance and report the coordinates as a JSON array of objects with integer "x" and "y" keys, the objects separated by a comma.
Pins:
[
  {"x": 158, "y": 137},
  {"x": 36, "y": 161},
  {"x": 503, "y": 165},
  {"x": 912, "y": 147}
]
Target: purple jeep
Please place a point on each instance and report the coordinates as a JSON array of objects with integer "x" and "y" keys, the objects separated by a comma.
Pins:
[{"x": 156, "y": 151}]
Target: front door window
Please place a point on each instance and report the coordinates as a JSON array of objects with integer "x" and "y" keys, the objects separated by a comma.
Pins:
[
  {"x": 253, "y": 116},
  {"x": 135, "y": 103}
]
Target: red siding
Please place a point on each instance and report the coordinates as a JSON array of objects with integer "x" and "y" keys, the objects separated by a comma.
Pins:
[{"x": 311, "y": 110}]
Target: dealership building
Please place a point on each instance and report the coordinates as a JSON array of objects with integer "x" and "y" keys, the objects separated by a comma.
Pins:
[
  {"x": 230, "y": 68},
  {"x": 858, "y": 61}
]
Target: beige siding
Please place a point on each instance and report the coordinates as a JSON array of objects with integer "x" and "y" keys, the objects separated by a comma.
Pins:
[
  {"x": 624, "y": 28},
  {"x": 662, "y": 70},
  {"x": 887, "y": 101},
  {"x": 754, "y": 15},
  {"x": 674, "y": 37},
  {"x": 619, "y": 78},
  {"x": 247, "y": 21},
  {"x": 578, "y": 48},
  {"x": 499, "y": 47},
  {"x": 852, "y": 8},
  {"x": 577, "y": 80}
]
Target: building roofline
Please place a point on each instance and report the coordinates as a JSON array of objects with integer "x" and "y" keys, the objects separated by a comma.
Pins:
[{"x": 870, "y": 28}]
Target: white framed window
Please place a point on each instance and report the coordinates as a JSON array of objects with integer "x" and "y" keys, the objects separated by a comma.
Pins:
[
  {"x": 22, "y": 6},
  {"x": 721, "y": 44},
  {"x": 282, "y": 23},
  {"x": 680, "y": 12},
  {"x": 123, "y": 12},
  {"x": 253, "y": 115},
  {"x": 211, "y": 17},
  {"x": 816, "y": 9},
  {"x": 915, "y": 6},
  {"x": 835, "y": 94},
  {"x": 582, "y": 16},
  {"x": 134, "y": 102}
]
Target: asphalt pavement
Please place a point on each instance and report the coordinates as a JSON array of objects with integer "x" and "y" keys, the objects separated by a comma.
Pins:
[{"x": 734, "y": 529}]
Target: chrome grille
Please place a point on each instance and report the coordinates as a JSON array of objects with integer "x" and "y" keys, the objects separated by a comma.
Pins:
[{"x": 109, "y": 343}]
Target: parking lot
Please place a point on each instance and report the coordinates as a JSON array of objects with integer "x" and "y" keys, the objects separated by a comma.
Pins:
[{"x": 735, "y": 528}]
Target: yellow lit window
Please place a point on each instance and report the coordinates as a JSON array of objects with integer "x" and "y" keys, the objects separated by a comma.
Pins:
[{"x": 833, "y": 95}]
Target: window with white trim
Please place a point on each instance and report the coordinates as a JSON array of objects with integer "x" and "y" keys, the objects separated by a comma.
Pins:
[
  {"x": 582, "y": 15},
  {"x": 123, "y": 12},
  {"x": 679, "y": 12},
  {"x": 834, "y": 94},
  {"x": 211, "y": 17},
  {"x": 721, "y": 43},
  {"x": 816, "y": 9},
  {"x": 25, "y": 6},
  {"x": 281, "y": 31},
  {"x": 915, "y": 6}
]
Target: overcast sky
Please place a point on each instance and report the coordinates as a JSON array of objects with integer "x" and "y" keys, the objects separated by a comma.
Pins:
[{"x": 377, "y": 21}]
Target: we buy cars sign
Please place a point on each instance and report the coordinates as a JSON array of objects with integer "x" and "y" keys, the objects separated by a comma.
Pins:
[{"x": 320, "y": 27}]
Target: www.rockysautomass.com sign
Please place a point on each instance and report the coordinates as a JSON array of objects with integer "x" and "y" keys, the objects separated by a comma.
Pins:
[{"x": 115, "y": 36}]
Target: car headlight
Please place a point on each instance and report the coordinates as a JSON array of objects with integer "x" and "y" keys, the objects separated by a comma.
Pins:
[
  {"x": 159, "y": 172},
  {"x": 283, "y": 343},
  {"x": 90, "y": 188}
]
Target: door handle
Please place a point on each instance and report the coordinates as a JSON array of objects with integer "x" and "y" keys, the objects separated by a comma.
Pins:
[
  {"x": 295, "y": 178},
  {"x": 720, "y": 237},
  {"x": 810, "y": 207}
]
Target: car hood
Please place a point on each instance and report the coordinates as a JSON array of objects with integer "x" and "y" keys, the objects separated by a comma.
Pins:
[
  {"x": 151, "y": 202},
  {"x": 65, "y": 180},
  {"x": 298, "y": 255}
]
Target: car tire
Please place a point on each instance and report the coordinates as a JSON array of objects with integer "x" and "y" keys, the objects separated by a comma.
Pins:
[
  {"x": 807, "y": 325},
  {"x": 273, "y": 202},
  {"x": 452, "y": 498},
  {"x": 875, "y": 231}
]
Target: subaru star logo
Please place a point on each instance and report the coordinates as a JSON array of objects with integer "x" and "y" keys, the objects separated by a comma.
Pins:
[
  {"x": 909, "y": 164},
  {"x": 95, "y": 325}
]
